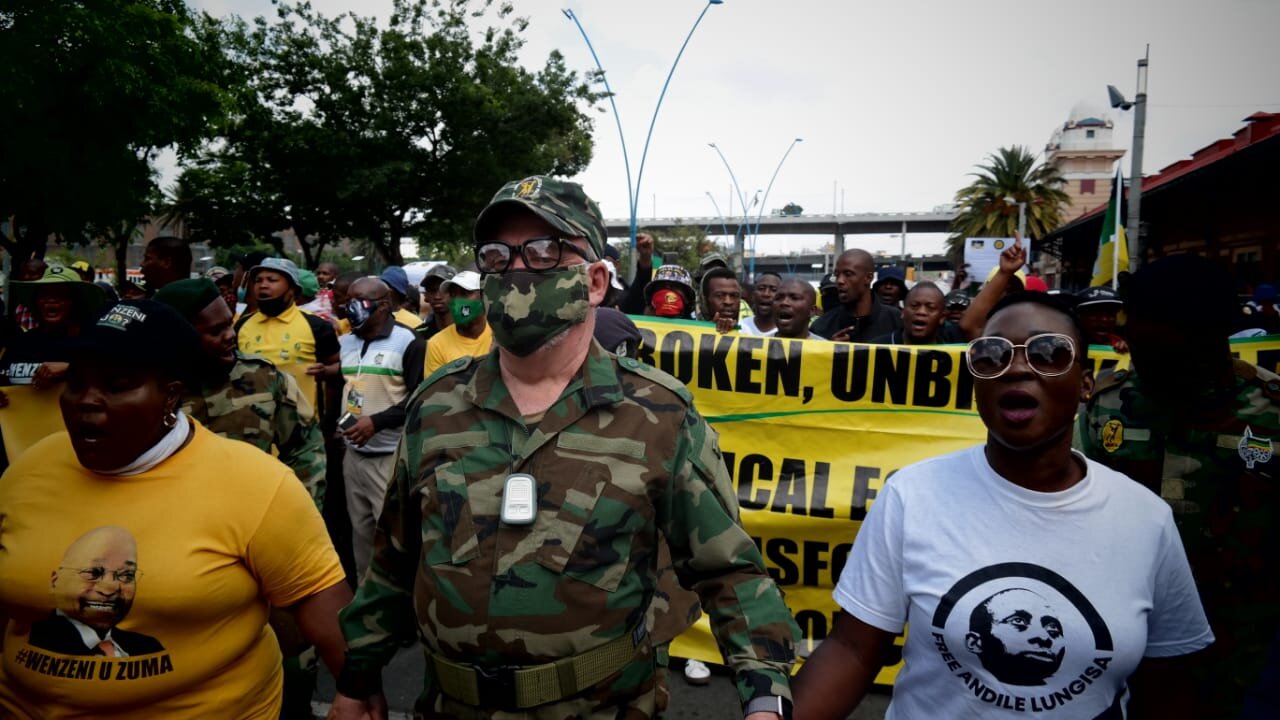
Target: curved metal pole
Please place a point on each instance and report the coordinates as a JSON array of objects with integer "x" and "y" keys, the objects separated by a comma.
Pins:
[
  {"x": 649, "y": 136},
  {"x": 723, "y": 225},
  {"x": 626, "y": 160},
  {"x": 742, "y": 199},
  {"x": 765, "y": 201}
]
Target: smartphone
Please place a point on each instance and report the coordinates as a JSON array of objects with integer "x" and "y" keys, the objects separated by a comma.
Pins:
[{"x": 347, "y": 421}]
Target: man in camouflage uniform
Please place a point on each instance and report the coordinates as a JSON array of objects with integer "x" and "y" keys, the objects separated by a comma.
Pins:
[
  {"x": 244, "y": 397},
  {"x": 1200, "y": 428},
  {"x": 544, "y": 616}
]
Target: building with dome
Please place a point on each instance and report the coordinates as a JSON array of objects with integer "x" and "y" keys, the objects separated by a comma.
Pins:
[
  {"x": 1219, "y": 202},
  {"x": 1084, "y": 151}
]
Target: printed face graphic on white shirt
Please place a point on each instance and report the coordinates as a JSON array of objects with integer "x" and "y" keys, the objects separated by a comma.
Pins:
[{"x": 1017, "y": 636}]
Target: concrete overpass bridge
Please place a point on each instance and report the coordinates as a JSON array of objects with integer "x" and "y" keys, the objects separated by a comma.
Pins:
[{"x": 836, "y": 226}]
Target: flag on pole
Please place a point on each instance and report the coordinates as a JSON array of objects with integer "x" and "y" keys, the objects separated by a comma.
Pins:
[{"x": 1113, "y": 250}]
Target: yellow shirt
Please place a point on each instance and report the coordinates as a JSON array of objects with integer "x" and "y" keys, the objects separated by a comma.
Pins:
[
  {"x": 407, "y": 318},
  {"x": 448, "y": 345},
  {"x": 208, "y": 539},
  {"x": 292, "y": 341}
]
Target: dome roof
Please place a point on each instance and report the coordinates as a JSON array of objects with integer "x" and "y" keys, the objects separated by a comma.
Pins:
[{"x": 1087, "y": 113}]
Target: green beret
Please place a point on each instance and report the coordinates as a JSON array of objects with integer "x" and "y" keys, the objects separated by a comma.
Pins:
[{"x": 189, "y": 297}]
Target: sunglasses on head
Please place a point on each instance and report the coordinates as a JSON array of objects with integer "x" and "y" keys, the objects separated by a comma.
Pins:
[{"x": 1048, "y": 354}]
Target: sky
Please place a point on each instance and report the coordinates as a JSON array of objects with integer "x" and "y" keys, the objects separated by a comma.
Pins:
[{"x": 896, "y": 100}]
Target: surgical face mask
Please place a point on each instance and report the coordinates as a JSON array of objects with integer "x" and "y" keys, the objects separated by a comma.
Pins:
[
  {"x": 464, "y": 310},
  {"x": 359, "y": 311},
  {"x": 527, "y": 309}
]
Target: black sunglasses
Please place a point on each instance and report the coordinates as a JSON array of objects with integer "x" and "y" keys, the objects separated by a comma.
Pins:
[
  {"x": 1048, "y": 354},
  {"x": 539, "y": 254}
]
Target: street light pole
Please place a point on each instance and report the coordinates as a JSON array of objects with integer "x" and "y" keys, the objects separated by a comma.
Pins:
[
  {"x": 760, "y": 215},
  {"x": 739, "y": 238},
  {"x": 1134, "y": 230},
  {"x": 633, "y": 190},
  {"x": 723, "y": 225}
]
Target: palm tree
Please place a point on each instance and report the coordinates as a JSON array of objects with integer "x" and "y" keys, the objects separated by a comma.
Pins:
[{"x": 983, "y": 210}]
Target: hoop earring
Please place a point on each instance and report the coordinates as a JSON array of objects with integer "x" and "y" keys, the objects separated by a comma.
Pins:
[{"x": 170, "y": 419}]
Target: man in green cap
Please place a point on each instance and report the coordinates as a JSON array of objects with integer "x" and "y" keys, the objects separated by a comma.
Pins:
[
  {"x": 245, "y": 397},
  {"x": 520, "y": 533}
]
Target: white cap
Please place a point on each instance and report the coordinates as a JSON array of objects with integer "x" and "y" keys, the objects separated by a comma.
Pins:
[{"x": 468, "y": 280}]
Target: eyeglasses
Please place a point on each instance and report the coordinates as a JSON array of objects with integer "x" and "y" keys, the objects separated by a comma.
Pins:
[
  {"x": 539, "y": 253},
  {"x": 96, "y": 574},
  {"x": 1049, "y": 355}
]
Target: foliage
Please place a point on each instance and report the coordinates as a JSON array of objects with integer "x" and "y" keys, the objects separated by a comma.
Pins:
[
  {"x": 92, "y": 92},
  {"x": 687, "y": 243},
  {"x": 789, "y": 210},
  {"x": 353, "y": 129},
  {"x": 982, "y": 210}
]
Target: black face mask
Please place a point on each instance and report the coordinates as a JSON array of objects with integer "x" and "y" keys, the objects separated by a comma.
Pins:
[{"x": 273, "y": 306}]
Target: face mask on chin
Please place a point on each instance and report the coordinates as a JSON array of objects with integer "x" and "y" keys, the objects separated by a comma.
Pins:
[
  {"x": 527, "y": 309},
  {"x": 273, "y": 306}
]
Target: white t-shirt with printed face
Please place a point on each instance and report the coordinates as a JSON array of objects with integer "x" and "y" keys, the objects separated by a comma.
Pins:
[{"x": 1019, "y": 603}]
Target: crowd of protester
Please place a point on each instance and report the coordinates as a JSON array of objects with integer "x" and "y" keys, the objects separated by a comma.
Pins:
[{"x": 1150, "y": 504}]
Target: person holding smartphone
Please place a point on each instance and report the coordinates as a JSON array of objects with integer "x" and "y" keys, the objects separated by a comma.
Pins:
[{"x": 382, "y": 364}]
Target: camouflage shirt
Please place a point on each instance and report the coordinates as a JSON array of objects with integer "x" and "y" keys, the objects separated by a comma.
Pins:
[
  {"x": 1219, "y": 473},
  {"x": 619, "y": 456},
  {"x": 261, "y": 405}
]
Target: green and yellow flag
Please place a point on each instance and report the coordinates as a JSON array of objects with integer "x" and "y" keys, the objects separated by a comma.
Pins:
[{"x": 1113, "y": 250}]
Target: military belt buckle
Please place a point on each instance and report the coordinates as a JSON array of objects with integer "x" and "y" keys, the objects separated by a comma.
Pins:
[{"x": 496, "y": 686}]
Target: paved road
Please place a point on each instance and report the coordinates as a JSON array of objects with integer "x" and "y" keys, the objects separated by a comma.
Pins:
[{"x": 716, "y": 701}]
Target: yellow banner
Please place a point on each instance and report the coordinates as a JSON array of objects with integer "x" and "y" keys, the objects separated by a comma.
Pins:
[
  {"x": 30, "y": 415},
  {"x": 810, "y": 430}
]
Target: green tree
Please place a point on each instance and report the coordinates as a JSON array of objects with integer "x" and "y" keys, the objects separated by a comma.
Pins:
[
  {"x": 93, "y": 91},
  {"x": 354, "y": 129},
  {"x": 982, "y": 208}
]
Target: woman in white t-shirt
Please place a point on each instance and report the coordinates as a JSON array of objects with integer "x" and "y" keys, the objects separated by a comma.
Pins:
[{"x": 1034, "y": 582}]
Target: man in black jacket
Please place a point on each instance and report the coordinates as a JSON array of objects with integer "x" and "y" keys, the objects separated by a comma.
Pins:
[{"x": 859, "y": 317}]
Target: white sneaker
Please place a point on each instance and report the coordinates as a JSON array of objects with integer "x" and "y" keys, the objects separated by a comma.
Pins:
[{"x": 696, "y": 673}]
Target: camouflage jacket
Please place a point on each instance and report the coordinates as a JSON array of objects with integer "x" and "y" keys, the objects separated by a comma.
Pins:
[
  {"x": 619, "y": 456},
  {"x": 261, "y": 405},
  {"x": 1220, "y": 474}
]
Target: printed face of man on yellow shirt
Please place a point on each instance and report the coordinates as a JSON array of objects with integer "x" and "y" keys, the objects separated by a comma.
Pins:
[{"x": 98, "y": 578}]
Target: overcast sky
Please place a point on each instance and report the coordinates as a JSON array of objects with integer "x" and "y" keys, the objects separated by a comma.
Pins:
[{"x": 896, "y": 100}]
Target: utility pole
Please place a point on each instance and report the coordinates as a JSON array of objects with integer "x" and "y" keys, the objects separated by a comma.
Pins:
[{"x": 1133, "y": 227}]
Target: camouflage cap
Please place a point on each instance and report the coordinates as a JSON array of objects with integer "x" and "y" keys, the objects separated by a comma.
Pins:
[
  {"x": 711, "y": 260},
  {"x": 563, "y": 204}
]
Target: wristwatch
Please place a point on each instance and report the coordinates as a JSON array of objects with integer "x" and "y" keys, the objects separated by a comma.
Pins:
[{"x": 769, "y": 703}]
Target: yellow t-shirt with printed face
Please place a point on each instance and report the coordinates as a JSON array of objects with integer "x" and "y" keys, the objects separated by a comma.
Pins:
[
  {"x": 147, "y": 596},
  {"x": 448, "y": 345}
]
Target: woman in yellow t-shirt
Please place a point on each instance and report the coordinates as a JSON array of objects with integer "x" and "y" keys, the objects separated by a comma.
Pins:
[{"x": 141, "y": 552}]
